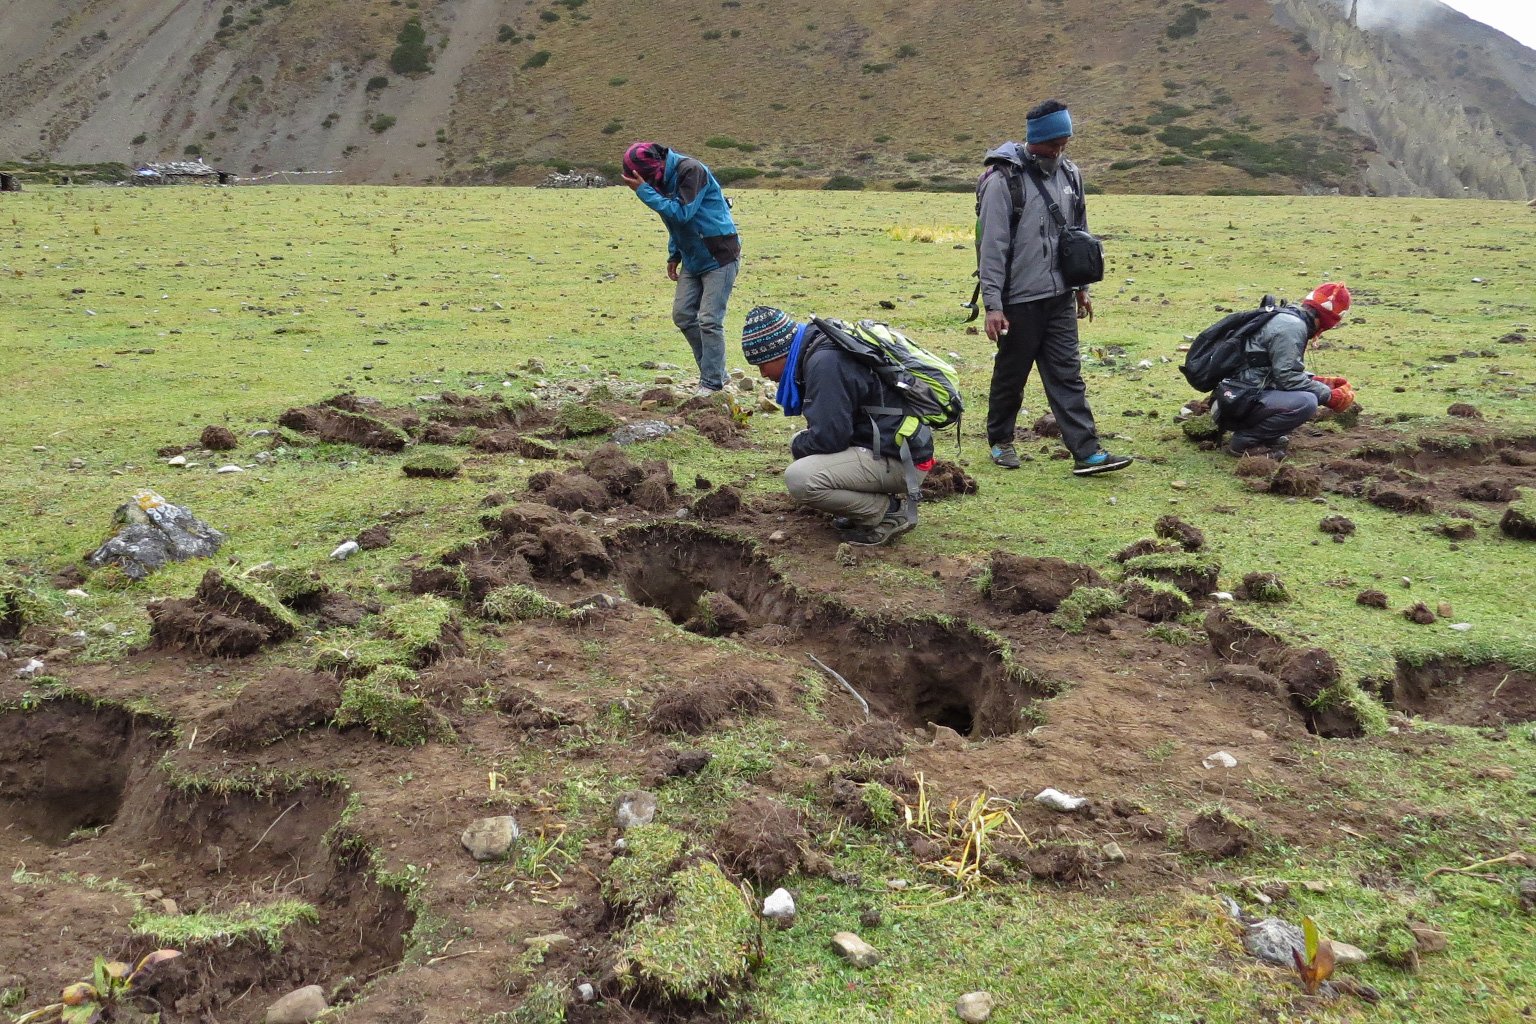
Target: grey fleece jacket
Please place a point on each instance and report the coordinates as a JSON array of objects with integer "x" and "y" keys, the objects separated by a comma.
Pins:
[
  {"x": 1033, "y": 274},
  {"x": 1283, "y": 342}
]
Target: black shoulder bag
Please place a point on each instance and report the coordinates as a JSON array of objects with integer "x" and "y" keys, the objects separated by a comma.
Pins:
[{"x": 1079, "y": 255}]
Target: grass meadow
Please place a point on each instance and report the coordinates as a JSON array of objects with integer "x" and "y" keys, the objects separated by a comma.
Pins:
[{"x": 132, "y": 318}]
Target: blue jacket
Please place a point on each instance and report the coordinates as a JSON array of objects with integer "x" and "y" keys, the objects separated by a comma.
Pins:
[{"x": 702, "y": 233}]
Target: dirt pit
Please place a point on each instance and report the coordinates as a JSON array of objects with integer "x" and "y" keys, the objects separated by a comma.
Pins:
[
  {"x": 91, "y": 793},
  {"x": 1453, "y": 691},
  {"x": 913, "y": 671}
]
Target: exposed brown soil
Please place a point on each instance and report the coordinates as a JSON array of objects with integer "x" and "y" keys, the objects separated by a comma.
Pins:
[
  {"x": 1171, "y": 527},
  {"x": 1419, "y": 612},
  {"x": 1450, "y": 690},
  {"x": 1518, "y": 524},
  {"x": 1466, "y": 459},
  {"x": 947, "y": 480},
  {"x": 349, "y": 419},
  {"x": 763, "y": 841},
  {"x": 218, "y": 439},
  {"x": 1022, "y": 583},
  {"x": 375, "y": 537},
  {"x": 621, "y": 688},
  {"x": 1371, "y": 599}
]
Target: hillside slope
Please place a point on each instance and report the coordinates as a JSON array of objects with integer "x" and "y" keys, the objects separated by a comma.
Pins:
[{"x": 1244, "y": 95}]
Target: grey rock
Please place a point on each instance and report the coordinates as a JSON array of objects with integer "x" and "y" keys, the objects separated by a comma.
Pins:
[
  {"x": 643, "y": 430},
  {"x": 298, "y": 1007},
  {"x": 585, "y": 992},
  {"x": 975, "y": 1007},
  {"x": 1344, "y": 954},
  {"x": 637, "y": 807},
  {"x": 31, "y": 668},
  {"x": 153, "y": 532},
  {"x": 855, "y": 950},
  {"x": 490, "y": 838},
  {"x": 1272, "y": 941},
  {"x": 346, "y": 549},
  {"x": 945, "y": 738},
  {"x": 1113, "y": 853}
]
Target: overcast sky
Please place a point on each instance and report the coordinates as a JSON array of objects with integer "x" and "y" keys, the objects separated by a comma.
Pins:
[{"x": 1516, "y": 18}]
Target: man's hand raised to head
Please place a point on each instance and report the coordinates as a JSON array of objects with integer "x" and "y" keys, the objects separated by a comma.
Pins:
[{"x": 634, "y": 181}]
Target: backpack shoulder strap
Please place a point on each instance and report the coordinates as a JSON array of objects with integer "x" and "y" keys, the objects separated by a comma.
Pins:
[{"x": 1050, "y": 203}]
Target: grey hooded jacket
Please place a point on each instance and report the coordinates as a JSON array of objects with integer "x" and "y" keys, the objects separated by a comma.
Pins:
[
  {"x": 1278, "y": 349},
  {"x": 1033, "y": 274}
]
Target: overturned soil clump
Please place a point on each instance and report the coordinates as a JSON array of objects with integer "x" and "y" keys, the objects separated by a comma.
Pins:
[
  {"x": 347, "y": 419},
  {"x": 947, "y": 480},
  {"x": 1022, "y": 583},
  {"x": 764, "y": 841},
  {"x": 1217, "y": 836}
]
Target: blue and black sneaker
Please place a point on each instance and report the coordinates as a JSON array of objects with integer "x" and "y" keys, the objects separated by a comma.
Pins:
[{"x": 1100, "y": 461}]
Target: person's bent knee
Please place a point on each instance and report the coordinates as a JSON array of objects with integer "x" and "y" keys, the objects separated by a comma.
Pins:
[{"x": 801, "y": 483}]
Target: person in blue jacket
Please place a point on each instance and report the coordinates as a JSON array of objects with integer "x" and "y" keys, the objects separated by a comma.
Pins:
[{"x": 703, "y": 249}]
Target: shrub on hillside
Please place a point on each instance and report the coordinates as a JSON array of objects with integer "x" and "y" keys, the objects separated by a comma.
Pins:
[{"x": 412, "y": 56}]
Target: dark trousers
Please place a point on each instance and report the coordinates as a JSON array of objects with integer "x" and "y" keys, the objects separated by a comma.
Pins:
[
  {"x": 1042, "y": 334},
  {"x": 1277, "y": 414}
]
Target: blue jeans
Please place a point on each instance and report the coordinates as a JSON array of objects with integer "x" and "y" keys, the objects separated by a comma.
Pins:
[{"x": 698, "y": 309}]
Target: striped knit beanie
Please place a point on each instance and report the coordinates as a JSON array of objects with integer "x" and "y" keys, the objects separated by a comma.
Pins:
[{"x": 767, "y": 335}]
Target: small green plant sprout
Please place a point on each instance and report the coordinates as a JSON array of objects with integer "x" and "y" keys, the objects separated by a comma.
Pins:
[
  {"x": 1317, "y": 966},
  {"x": 111, "y": 986}
]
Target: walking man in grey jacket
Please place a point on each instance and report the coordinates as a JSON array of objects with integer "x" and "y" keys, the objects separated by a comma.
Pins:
[{"x": 1031, "y": 314}]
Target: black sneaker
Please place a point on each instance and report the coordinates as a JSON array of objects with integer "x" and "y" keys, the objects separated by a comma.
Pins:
[
  {"x": 883, "y": 532},
  {"x": 1004, "y": 455},
  {"x": 1100, "y": 462}
]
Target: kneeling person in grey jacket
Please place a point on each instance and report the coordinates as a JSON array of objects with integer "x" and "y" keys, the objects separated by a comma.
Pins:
[{"x": 847, "y": 459}]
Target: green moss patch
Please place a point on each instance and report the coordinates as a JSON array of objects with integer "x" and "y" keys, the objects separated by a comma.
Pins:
[
  {"x": 432, "y": 466},
  {"x": 515, "y": 603},
  {"x": 578, "y": 420},
  {"x": 378, "y": 703},
  {"x": 639, "y": 879}
]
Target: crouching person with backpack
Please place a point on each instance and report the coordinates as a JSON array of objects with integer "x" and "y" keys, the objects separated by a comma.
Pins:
[
  {"x": 867, "y": 442},
  {"x": 1274, "y": 394}
]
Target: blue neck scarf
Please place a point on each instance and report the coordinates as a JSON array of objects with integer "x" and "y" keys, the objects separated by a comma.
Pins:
[{"x": 789, "y": 392}]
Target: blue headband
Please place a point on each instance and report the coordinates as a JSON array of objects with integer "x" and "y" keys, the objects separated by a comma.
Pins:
[{"x": 1055, "y": 125}]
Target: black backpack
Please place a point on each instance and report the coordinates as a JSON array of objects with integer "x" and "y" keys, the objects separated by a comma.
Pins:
[{"x": 1217, "y": 352}]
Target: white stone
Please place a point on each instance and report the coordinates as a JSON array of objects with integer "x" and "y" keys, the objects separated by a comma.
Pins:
[
  {"x": 975, "y": 1007},
  {"x": 855, "y": 950},
  {"x": 490, "y": 838},
  {"x": 1461, "y": 627},
  {"x": 345, "y": 550},
  {"x": 1220, "y": 759},
  {"x": 229, "y": 469},
  {"x": 299, "y": 1007},
  {"x": 778, "y": 537},
  {"x": 1056, "y": 800},
  {"x": 176, "y": 460},
  {"x": 585, "y": 992},
  {"x": 31, "y": 668},
  {"x": 779, "y": 908},
  {"x": 1222, "y": 595},
  {"x": 75, "y": 592}
]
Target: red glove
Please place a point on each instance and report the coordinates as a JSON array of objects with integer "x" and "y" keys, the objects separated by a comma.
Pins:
[
  {"x": 1332, "y": 382},
  {"x": 1341, "y": 398}
]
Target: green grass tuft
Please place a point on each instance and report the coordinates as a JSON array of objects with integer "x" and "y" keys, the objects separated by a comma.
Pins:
[
  {"x": 705, "y": 943},
  {"x": 260, "y": 924},
  {"x": 378, "y": 703},
  {"x": 1083, "y": 604}
]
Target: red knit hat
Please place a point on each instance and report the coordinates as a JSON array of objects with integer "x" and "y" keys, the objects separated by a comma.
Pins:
[{"x": 1329, "y": 301}]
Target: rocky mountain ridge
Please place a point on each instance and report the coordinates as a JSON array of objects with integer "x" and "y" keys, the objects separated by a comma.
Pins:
[{"x": 1231, "y": 97}]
